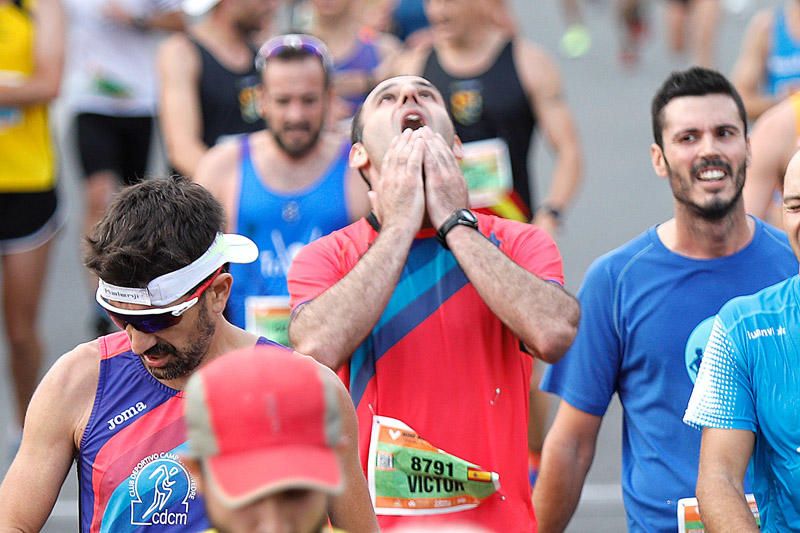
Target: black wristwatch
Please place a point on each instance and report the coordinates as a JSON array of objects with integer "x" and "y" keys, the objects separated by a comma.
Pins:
[{"x": 460, "y": 217}]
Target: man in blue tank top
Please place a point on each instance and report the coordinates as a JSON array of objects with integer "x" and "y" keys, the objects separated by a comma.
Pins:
[
  {"x": 115, "y": 405},
  {"x": 285, "y": 186},
  {"x": 768, "y": 67},
  {"x": 647, "y": 309}
]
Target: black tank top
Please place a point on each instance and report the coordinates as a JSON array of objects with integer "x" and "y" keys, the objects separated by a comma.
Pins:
[
  {"x": 228, "y": 100},
  {"x": 492, "y": 104}
]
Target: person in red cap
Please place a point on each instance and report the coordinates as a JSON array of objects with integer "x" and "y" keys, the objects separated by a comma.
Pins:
[
  {"x": 265, "y": 432},
  {"x": 115, "y": 405}
]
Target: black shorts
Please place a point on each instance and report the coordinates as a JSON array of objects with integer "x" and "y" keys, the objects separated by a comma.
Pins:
[
  {"x": 117, "y": 144},
  {"x": 28, "y": 220}
]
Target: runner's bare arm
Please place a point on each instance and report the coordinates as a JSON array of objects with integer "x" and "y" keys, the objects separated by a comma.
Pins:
[
  {"x": 724, "y": 454},
  {"x": 331, "y": 326},
  {"x": 542, "y": 314},
  {"x": 218, "y": 171},
  {"x": 566, "y": 457},
  {"x": 409, "y": 62},
  {"x": 542, "y": 82},
  {"x": 172, "y": 20},
  {"x": 772, "y": 144},
  {"x": 181, "y": 121},
  {"x": 351, "y": 510},
  {"x": 751, "y": 66},
  {"x": 53, "y": 428},
  {"x": 48, "y": 58}
]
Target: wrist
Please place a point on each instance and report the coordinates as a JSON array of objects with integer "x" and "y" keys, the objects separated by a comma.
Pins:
[
  {"x": 459, "y": 217},
  {"x": 552, "y": 211}
]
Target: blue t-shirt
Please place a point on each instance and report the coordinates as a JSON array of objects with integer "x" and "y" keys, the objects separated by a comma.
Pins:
[
  {"x": 646, "y": 316},
  {"x": 749, "y": 380}
]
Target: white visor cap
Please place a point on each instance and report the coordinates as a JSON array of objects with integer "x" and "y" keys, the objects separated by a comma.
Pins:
[
  {"x": 195, "y": 8},
  {"x": 226, "y": 248}
]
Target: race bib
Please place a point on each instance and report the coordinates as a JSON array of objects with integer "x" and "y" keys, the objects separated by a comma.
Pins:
[
  {"x": 268, "y": 316},
  {"x": 689, "y": 514},
  {"x": 486, "y": 166},
  {"x": 408, "y": 476}
]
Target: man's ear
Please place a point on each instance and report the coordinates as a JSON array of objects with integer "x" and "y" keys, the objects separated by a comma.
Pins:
[
  {"x": 358, "y": 156},
  {"x": 658, "y": 160},
  {"x": 219, "y": 292}
]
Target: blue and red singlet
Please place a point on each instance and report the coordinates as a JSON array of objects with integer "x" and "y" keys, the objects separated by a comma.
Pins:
[{"x": 130, "y": 473}]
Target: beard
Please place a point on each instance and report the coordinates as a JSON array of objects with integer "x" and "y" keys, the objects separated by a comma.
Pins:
[
  {"x": 297, "y": 151},
  {"x": 718, "y": 208},
  {"x": 184, "y": 362}
]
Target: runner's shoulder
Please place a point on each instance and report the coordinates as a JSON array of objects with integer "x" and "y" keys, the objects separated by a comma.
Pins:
[{"x": 74, "y": 375}]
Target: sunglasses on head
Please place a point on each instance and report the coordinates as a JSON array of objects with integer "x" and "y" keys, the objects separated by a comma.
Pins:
[
  {"x": 293, "y": 42},
  {"x": 160, "y": 318}
]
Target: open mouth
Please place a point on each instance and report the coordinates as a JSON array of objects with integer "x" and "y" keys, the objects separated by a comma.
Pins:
[
  {"x": 711, "y": 174},
  {"x": 412, "y": 120}
]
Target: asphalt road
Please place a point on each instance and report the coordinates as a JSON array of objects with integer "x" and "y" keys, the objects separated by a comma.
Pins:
[{"x": 621, "y": 196}]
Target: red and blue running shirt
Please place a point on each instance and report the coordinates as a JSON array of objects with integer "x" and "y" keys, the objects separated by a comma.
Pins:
[
  {"x": 439, "y": 360},
  {"x": 130, "y": 473}
]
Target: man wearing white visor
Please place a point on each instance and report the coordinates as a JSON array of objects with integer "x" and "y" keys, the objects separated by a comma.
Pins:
[{"x": 116, "y": 404}]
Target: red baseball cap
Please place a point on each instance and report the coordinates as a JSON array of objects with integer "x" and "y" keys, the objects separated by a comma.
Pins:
[{"x": 263, "y": 420}]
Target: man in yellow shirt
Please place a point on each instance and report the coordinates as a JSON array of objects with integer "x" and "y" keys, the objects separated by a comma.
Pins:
[{"x": 31, "y": 60}]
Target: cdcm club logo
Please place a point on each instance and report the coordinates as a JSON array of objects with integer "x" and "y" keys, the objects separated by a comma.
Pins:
[
  {"x": 161, "y": 490},
  {"x": 695, "y": 346}
]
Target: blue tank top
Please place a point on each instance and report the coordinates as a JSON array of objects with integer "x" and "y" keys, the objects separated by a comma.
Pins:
[
  {"x": 281, "y": 224},
  {"x": 783, "y": 63},
  {"x": 365, "y": 58},
  {"x": 130, "y": 474}
]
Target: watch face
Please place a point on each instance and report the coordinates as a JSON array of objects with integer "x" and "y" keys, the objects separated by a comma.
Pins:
[{"x": 469, "y": 215}]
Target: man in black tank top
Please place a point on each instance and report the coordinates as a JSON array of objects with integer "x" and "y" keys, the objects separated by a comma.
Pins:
[
  {"x": 209, "y": 83},
  {"x": 499, "y": 87}
]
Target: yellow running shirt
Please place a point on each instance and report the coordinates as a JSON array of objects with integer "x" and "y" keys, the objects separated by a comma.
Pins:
[{"x": 26, "y": 148}]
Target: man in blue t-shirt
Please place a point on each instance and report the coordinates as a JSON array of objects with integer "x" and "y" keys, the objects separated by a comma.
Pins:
[
  {"x": 746, "y": 397},
  {"x": 647, "y": 309}
]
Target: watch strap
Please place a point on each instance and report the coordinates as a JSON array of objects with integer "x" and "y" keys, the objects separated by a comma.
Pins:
[{"x": 460, "y": 217}]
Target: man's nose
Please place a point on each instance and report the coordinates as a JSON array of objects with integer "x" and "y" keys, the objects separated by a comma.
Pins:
[
  {"x": 140, "y": 342},
  {"x": 409, "y": 92},
  {"x": 708, "y": 145}
]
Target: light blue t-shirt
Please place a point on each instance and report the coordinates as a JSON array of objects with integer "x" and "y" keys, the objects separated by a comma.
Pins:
[
  {"x": 646, "y": 316},
  {"x": 750, "y": 380}
]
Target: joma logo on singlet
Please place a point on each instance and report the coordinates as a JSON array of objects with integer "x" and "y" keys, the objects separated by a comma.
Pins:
[{"x": 126, "y": 415}]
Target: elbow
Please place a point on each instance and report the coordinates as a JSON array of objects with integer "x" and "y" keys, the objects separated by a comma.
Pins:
[
  {"x": 553, "y": 344},
  {"x": 316, "y": 350},
  {"x": 51, "y": 92}
]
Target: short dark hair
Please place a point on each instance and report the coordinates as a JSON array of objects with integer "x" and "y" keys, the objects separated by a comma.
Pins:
[
  {"x": 152, "y": 228},
  {"x": 297, "y": 54},
  {"x": 357, "y": 127},
  {"x": 696, "y": 81}
]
